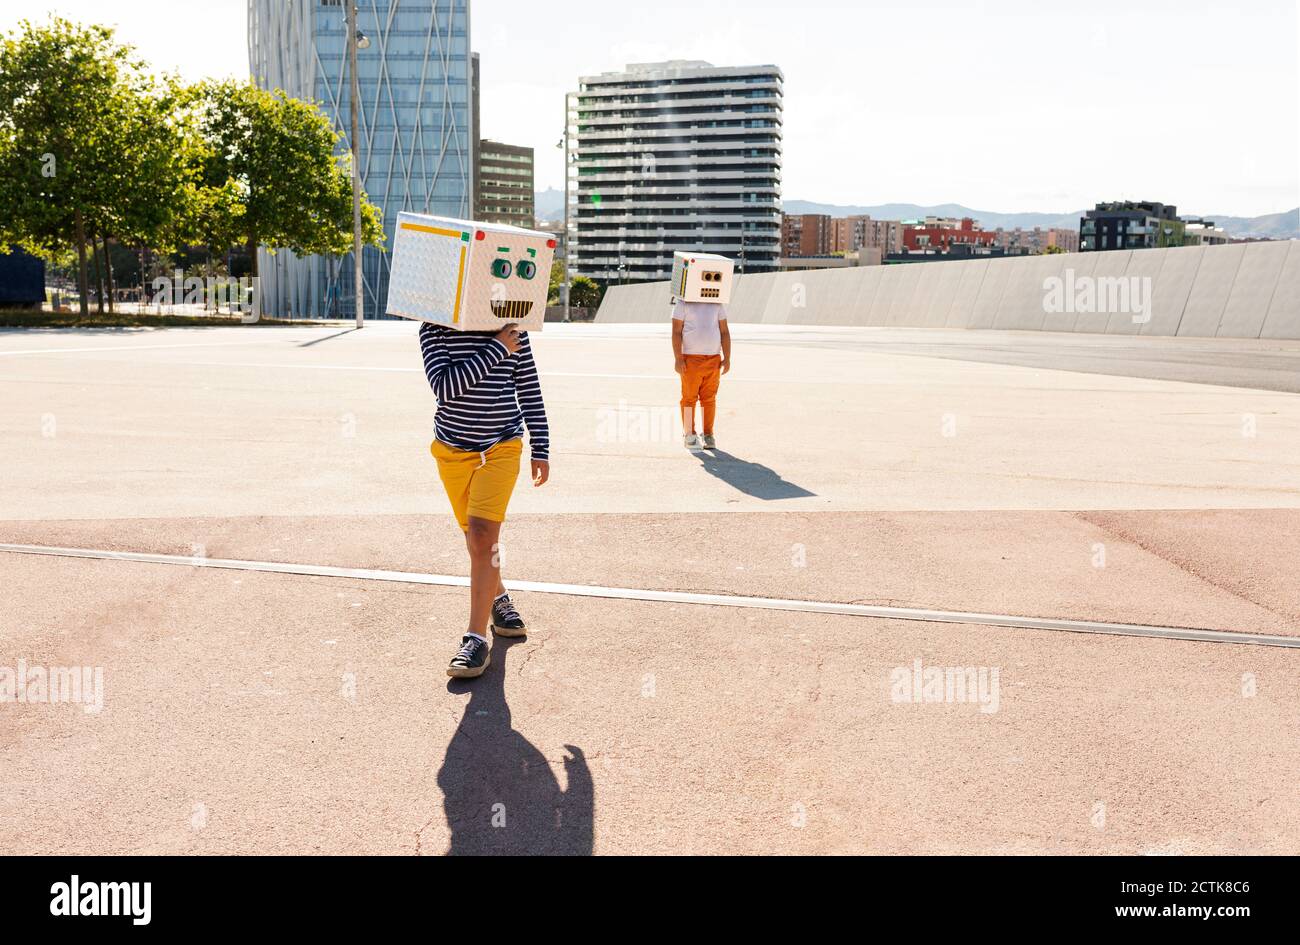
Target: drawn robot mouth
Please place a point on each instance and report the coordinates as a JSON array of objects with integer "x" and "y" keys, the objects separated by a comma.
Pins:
[{"x": 512, "y": 308}]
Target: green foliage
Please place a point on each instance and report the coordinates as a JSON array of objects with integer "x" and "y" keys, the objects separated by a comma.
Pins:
[
  {"x": 557, "y": 278},
  {"x": 585, "y": 292},
  {"x": 268, "y": 173},
  {"x": 90, "y": 143},
  {"x": 63, "y": 87}
]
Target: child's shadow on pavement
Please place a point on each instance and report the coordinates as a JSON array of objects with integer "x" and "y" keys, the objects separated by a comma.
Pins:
[
  {"x": 499, "y": 793},
  {"x": 753, "y": 479}
]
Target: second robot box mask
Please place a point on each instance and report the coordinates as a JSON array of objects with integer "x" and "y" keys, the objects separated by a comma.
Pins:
[{"x": 702, "y": 277}]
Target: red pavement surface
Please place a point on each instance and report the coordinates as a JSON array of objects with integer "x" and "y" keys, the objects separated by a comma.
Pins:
[{"x": 250, "y": 712}]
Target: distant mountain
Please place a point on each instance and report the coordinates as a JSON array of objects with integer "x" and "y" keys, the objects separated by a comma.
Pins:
[
  {"x": 548, "y": 204},
  {"x": 1278, "y": 226},
  {"x": 1284, "y": 225}
]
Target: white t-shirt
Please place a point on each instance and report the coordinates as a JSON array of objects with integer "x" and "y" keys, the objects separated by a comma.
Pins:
[{"x": 700, "y": 331}]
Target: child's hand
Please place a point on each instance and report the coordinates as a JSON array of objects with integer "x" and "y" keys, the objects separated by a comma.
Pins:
[
  {"x": 541, "y": 472},
  {"x": 680, "y": 366},
  {"x": 726, "y": 366},
  {"x": 509, "y": 336}
]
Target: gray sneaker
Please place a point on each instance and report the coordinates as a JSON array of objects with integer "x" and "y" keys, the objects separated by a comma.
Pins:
[
  {"x": 709, "y": 442},
  {"x": 691, "y": 441}
]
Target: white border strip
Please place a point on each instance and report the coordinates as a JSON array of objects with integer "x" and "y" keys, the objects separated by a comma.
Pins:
[
  {"x": 681, "y": 597},
  {"x": 12, "y": 352}
]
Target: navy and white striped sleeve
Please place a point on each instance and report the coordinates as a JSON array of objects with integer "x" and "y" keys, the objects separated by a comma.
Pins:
[
  {"x": 449, "y": 380},
  {"x": 528, "y": 389}
]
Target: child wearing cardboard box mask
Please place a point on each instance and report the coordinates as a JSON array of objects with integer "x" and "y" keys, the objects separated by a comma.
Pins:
[
  {"x": 701, "y": 288},
  {"x": 478, "y": 288}
]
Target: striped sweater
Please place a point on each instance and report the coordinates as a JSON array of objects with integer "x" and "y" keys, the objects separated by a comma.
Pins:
[{"x": 485, "y": 394}]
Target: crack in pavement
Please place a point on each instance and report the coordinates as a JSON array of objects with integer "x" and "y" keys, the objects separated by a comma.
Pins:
[
  {"x": 541, "y": 643},
  {"x": 1183, "y": 565}
]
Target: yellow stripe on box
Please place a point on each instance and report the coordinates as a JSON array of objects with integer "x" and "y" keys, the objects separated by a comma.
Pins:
[
  {"x": 460, "y": 281},
  {"x": 432, "y": 229}
]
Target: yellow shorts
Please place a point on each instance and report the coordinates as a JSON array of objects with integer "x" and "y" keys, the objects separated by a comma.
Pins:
[{"x": 478, "y": 484}]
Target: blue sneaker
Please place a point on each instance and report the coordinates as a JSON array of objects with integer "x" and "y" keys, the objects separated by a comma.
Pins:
[
  {"x": 506, "y": 621},
  {"x": 472, "y": 658}
]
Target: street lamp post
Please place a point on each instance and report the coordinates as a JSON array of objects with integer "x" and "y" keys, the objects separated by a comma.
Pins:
[
  {"x": 564, "y": 262},
  {"x": 356, "y": 40}
]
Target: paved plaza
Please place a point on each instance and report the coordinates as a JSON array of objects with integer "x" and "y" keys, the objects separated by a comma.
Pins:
[{"x": 273, "y": 682}]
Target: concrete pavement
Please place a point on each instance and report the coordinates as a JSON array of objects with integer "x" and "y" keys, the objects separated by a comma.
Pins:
[
  {"x": 254, "y": 713},
  {"x": 314, "y": 421},
  {"x": 248, "y": 712}
]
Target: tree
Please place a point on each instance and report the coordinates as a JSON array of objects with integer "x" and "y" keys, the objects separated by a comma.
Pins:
[
  {"x": 584, "y": 292},
  {"x": 269, "y": 174},
  {"x": 61, "y": 88},
  {"x": 163, "y": 202},
  {"x": 557, "y": 280},
  {"x": 92, "y": 146}
]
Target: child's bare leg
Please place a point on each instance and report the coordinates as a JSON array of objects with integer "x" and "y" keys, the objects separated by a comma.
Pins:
[
  {"x": 484, "y": 571},
  {"x": 688, "y": 419}
]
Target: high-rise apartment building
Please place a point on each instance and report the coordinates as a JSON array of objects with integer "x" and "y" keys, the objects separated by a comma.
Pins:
[
  {"x": 504, "y": 184},
  {"x": 415, "y": 129},
  {"x": 671, "y": 156}
]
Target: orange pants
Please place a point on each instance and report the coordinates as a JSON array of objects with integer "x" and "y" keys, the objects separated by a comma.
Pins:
[{"x": 700, "y": 382}]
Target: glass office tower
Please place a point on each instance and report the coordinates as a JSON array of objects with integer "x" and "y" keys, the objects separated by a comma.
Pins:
[{"x": 415, "y": 134}]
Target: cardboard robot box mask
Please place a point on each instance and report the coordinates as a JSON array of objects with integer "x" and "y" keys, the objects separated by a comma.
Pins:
[
  {"x": 702, "y": 277},
  {"x": 467, "y": 275}
]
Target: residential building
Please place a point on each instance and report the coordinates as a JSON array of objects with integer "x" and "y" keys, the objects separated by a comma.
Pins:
[
  {"x": 805, "y": 234},
  {"x": 942, "y": 233},
  {"x": 504, "y": 189},
  {"x": 849, "y": 234},
  {"x": 671, "y": 156},
  {"x": 415, "y": 126},
  {"x": 1130, "y": 225},
  {"x": 1199, "y": 232},
  {"x": 818, "y": 234},
  {"x": 1038, "y": 240}
]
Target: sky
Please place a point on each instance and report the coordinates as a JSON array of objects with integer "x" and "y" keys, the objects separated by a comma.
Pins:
[{"x": 1003, "y": 105}]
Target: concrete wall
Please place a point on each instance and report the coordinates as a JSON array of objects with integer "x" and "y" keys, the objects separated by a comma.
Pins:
[{"x": 1238, "y": 290}]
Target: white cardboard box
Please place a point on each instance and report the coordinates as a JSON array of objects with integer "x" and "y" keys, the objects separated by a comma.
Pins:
[
  {"x": 468, "y": 275},
  {"x": 702, "y": 277}
]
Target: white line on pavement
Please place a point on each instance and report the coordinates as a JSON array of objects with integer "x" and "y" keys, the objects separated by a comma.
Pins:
[
  {"x": 372, "y": 367},
  {"x": 680, "y": 597},
  {"x": 201, "y": 344}
]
